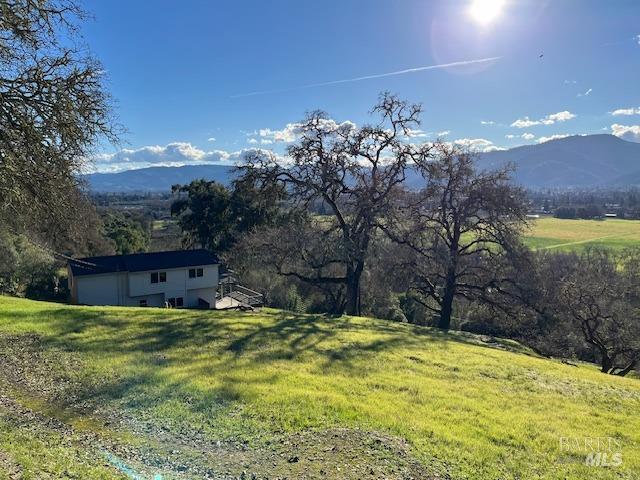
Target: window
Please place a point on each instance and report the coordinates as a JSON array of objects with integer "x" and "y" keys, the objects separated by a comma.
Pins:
[
  {"x": 158, "y": 277},
  {"x": 195, "y": 272},
  {"x": 143, "y": 302}
]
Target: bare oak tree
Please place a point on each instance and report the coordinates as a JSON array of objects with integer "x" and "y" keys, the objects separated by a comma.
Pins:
[
  {"x": 354, "y": 172},
  {"x": 601, "y": 296},
  {"x": 298, "y": 248},
  {"x": 461, "y": 226}
]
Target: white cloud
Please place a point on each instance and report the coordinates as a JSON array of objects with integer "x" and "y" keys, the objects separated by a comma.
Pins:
[
  {"x": 525, "y": 136},
  {"x": 493, "y": 148},
  {"x": 477, "y": 144},
  {"x": 184, "y": 153},
  {"x": 552, "y": 137},
  {"x": 548, "y": 120},
  {"x": 570, "y": 82},
  {"x": 525, "y": 123},
  {"x": 171, "y": 155},
  {"x": 586, "y": 94},
  {"x": 637, "y": 37},
  {"x": 487, "y": 122},
  {"x": 626, "y": 132},
  {"x": 287, "y": 134},
  {"x": 211, "y": 139},
  {"x": 626, "y": 111},
  {"x": 291, "y": 132},
  {"x": 417, "y": 133},
  {"x": 560, "y": 117}
]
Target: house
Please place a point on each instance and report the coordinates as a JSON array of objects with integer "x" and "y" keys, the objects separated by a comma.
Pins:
[{"x": 187, "y": 278}]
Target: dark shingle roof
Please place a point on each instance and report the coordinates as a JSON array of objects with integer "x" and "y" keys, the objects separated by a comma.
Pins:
[{"x": 141, "y": 262}]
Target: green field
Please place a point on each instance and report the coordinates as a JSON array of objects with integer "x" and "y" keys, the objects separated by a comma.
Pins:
[
  {"x": 544, "y": 233},
  {"x": 567, "y": 235},
  {"x": 94, "y": 392}
]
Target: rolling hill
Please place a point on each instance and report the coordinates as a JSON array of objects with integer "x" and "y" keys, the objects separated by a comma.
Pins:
[
  {"x": 156, "y": 179},
  {"x": 577, "y": 161},
  {"x": 141, "y": 393}
]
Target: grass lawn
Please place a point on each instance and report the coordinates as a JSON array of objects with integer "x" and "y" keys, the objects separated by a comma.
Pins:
[
  {"x": 560, "y": 234},
  {"x": 96, "y": 392}
]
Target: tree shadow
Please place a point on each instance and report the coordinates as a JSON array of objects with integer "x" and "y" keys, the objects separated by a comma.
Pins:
[{"x": 156, "y": 340}]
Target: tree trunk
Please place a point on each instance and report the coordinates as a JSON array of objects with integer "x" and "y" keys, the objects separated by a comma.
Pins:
[
  {"x": 446, "y": 309},
  {"x": 606, "y": 363},
  {"x": 628, "y": 368},
  {"x": 353, "y": 290}
]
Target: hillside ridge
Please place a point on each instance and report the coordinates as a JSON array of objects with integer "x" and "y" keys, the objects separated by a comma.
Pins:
[{"x": 600, "y": 160}]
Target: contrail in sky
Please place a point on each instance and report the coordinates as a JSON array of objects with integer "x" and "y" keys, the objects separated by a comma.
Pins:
[{"x": 369, "y": 77}]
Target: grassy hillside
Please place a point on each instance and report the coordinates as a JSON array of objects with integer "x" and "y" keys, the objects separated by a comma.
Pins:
[
  {"x": 555, "y": 233},
  {"x": 90, "y": 392}
]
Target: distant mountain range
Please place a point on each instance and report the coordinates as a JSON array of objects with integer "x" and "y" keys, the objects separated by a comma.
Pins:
[
  {"x": 156, "y": 179},
  {"x": 577, "y": 161}
]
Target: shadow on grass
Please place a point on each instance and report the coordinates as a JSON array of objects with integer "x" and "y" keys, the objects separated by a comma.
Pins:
[{"x": 155, "y": 340}]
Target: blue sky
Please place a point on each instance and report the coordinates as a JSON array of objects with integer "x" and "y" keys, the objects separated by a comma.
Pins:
[{"x": 179, "y": 71}]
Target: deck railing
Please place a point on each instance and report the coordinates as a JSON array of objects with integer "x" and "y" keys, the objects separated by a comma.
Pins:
[{"x": 241, "y": 294}]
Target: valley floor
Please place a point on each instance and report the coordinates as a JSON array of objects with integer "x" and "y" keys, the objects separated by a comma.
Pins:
[
  {"x": 548, "y": 233},
  {"x": 94, "y": 392}
]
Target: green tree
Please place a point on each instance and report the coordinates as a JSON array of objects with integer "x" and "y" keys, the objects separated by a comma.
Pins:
[
  {"x": 203, "y": 214},
  {"x": 214, "y": 217},
  {"x": 127, "y": 235},
  {"x": 25, "y": 268}
]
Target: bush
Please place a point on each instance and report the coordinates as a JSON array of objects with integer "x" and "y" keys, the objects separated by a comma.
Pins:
[{"x": 27, "y": 269}]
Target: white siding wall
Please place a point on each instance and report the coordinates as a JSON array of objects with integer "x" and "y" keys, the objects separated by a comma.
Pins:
[
  {"x": 107, "y": 289},
  {"x": 178, "y": 282},
  {"x": 129, "y": 288},
  {"x": 207, "y": 294}
]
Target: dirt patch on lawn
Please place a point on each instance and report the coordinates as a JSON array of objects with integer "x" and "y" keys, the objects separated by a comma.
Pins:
[
  {"x": 33, "y": 375},
  {"x": 342, "y": 453},
  {"x": 330, "y": 454},
  {"x": 348, "y": 454},
  {"x": 8, "y": 468}
]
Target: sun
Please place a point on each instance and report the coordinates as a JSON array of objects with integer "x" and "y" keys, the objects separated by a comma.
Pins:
[{"x": 486, "y": 11}]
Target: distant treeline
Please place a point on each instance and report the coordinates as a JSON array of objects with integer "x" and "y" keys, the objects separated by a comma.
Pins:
[{"x": 587, "y": 203}]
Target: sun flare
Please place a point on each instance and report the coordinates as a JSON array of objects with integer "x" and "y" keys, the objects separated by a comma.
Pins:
[{"x": 486, "y": 11}]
